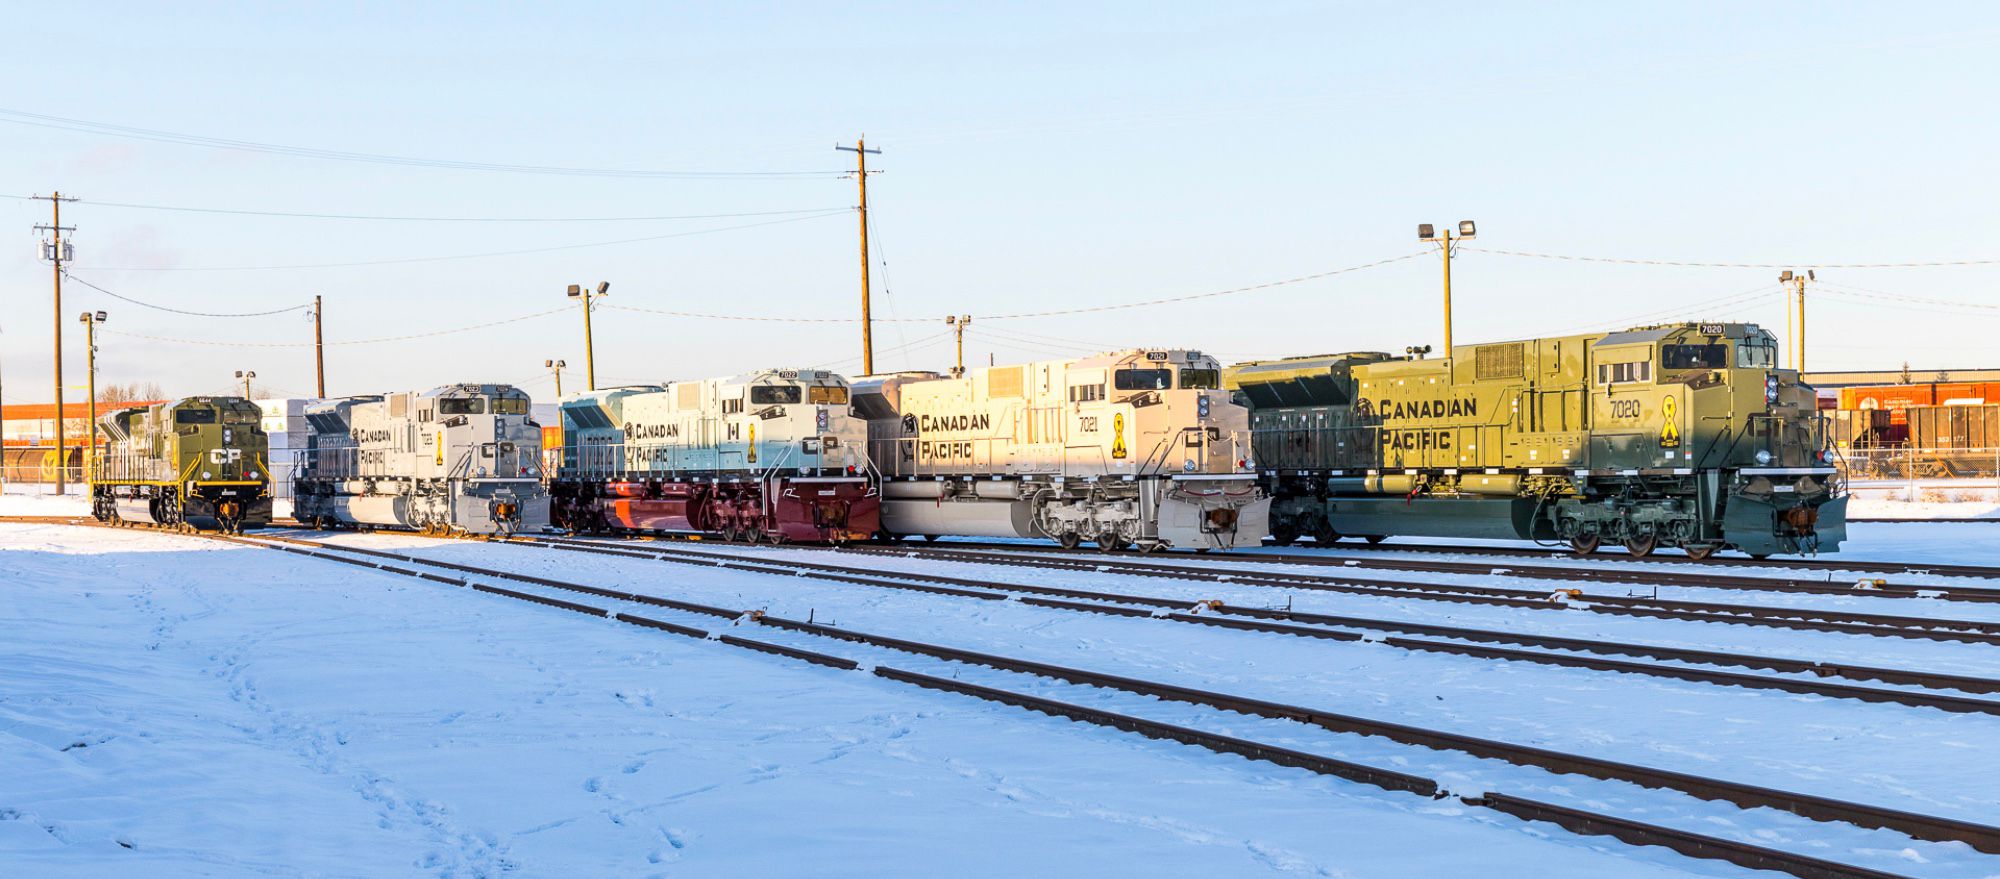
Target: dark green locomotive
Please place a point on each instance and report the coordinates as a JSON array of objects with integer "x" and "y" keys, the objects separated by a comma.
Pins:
[
  {"x": 1682, "y": 435},
  {"x": 196, "y": 463}
]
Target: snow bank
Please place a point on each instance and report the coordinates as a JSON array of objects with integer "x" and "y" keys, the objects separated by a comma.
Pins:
[{"x": 171, "y": 707}]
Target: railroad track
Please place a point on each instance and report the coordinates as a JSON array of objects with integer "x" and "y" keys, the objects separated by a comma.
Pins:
[
  {"x": 1582, "y": 821},
  {"x": 1289, "y": 622},
  {"x": 1816, "y": 619},
  {"x": 1856, "y": 566},
  {"x": 1539, "y": 569}
]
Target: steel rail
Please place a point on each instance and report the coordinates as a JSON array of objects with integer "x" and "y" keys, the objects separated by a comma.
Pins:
[
  {"x": 1982, "y": 837},
  {"x": 1218, "y": 614},
  {"x": 1885, "y": 625},
  {"x": 1581, "y": 822},
  {"x": 1536, "y": 568}
]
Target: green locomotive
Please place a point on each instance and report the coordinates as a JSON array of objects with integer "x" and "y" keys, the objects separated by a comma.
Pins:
[
  {"x": 196, "y": 463},
  {"x": 1682, "y": 435}
]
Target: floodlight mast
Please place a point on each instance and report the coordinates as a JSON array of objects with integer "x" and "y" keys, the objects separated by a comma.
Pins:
[{"x": 1426, "y": 232}]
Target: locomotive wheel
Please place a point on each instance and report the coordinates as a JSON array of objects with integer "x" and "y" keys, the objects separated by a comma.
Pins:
[
  {"x": 1701, "y": 551},
  {"x": 1069, "y": 539},
  {"x": 1285, "y": 534},
  {"x": 1642, "y": 546},
  {"x": 1324, "y": 535},
  {"x": 931, "y": 538},
  {"x": 1110, "y": 542},
  {"x": 1759, "y": 556},
  {"x": 1376, "y": 539},
  {"x": 1586, "y": 543}
]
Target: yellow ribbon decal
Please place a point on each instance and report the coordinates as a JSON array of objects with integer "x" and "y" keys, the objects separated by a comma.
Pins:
[
  {"x": 440, "y": 448},
  {"x": 752, "y": 458},
  {"x": 1670, "y": 429},
  {"x": 1118, "y": 435}
]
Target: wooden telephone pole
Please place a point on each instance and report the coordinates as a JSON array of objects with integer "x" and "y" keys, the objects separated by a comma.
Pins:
[
  {"x": 319, "y": 350},
  {"x": 860, "y": 150},
  {"x": 55, "y": 252}
]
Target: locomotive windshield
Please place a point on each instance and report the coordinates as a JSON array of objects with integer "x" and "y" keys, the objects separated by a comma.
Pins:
[
  {"x": 1143, "y": 379},
  {"x": 466, "y": 406},
  {"x": 765, "y": 395},
  {"x": 831, "y": 396},
  {"x": 1694, "y": 356},
  {"x": 194, "y": 416},
  {"x": 1200, "y": 379},
  {"x": 240, "y": 416},
  {"x": 510, "y": 406},
  {"x": 1757, "y": 353}
]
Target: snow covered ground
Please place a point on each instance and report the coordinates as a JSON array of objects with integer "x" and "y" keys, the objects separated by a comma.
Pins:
[{"x": 176, "y": 707}]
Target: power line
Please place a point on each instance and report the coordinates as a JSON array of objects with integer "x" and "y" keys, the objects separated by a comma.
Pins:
[
  {"x": 418, "y": 259},
  {"x": 39, "y": 120},
  {"x": 1868, "y": 293},
  {"x": 1029, "y": 314},
  {"x": 287, "y": 309},
  {"x": 419, "y": 219},
  {"x": 1731, "y": 299},
  {"x": 1192, "y": 297},
  {"x": 374, "y": 341},
  {"x": 1737, "y": 265}
]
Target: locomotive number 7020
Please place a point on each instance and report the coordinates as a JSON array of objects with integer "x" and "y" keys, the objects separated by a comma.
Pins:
[{"x": 1625, "y": 409}]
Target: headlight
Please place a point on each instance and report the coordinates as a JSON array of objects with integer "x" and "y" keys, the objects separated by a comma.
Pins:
[
  {"x": 482, "y": 469},
  {"x": 1188, "y": 465},
  {"x": 206, "y": 475},
  {"x": 1763, "y": 456},
  {"x": 1770, "y": 389}
]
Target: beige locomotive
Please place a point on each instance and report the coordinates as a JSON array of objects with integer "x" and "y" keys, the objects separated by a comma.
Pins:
[{"x": 1132, "y": 448}]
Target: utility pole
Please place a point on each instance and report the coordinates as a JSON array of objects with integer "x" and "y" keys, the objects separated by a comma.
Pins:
[
  {"x": 246, "y": 377},
  {"x": 90, "y": 321},
  {"x": 56, "y": 251},
  {"x": 1795, "y": 285},
  {"x": 958, "y": 325},
  {"x": 580, "y": 292},
  {"x": 1466, "y": 231},
  {"x": 319, "y": 350},
  {"x": 860, "y": 150},
  {"x": 556, "y": 366}
]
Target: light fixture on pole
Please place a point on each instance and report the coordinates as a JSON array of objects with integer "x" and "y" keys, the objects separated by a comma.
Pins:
[
  {"x": 556, "y": 366},
  {"x": 1795, "y": 286},
  {"x": 1466, "y": 231},
  {"x": 585, "y": 294},
  {"x": 246, "y": 377},
  {"x": 90, "y": 321},
  {"x": 958, "y": 324}
]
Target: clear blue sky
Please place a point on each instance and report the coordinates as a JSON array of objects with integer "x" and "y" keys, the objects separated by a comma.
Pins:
[{"x": 1037, "y": 156}]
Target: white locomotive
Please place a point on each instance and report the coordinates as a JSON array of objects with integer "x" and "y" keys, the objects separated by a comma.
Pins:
[
  {"x": 1138, "y": 447},
  {"x": 774, "y": 454},
  {"x": 456, "y": 459}
]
